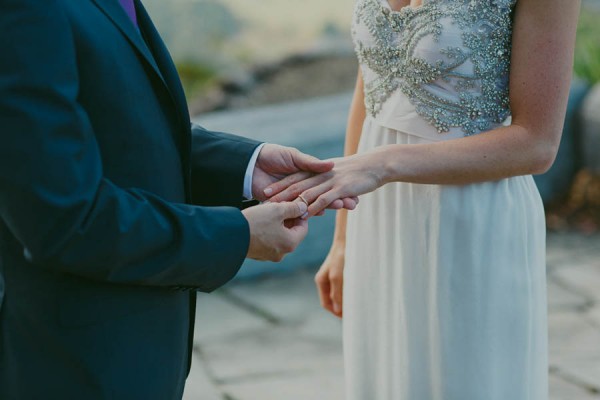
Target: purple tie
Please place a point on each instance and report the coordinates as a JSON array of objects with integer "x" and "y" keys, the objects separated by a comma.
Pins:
[{"x": 130, "y": 10}]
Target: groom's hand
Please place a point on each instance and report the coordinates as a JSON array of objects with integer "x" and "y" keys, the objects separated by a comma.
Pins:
[
  {"x": 275, "y": 229},
  {"x": 277, "y": 162}
]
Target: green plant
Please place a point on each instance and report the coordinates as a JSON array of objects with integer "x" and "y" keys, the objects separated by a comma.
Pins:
[
  {"x": 587, "y": 47},
  {"x": 195, "y": 77}
]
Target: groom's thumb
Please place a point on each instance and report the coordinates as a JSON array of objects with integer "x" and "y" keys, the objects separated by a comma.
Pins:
[{"x": 293, "y": 210}]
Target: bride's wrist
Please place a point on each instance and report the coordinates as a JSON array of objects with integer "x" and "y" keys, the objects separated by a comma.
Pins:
[
  {"x": 338, "y": 243},
  {"x": 378, "y": 165},
  {"x": 385, "y": 161}
]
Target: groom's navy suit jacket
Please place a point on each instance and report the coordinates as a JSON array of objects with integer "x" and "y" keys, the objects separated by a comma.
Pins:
[{"x": 107, "y": 195}]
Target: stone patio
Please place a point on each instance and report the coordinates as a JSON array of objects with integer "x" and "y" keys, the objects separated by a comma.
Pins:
[{"x": 268, "y": 338}]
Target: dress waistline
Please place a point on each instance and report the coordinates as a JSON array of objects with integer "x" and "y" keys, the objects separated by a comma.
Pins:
[{"x": 400, "y": 115}]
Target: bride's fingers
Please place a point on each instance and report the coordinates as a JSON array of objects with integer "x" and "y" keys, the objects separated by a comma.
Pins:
[
  {"x": 337, "y": 287},
  {"x": 321, "y": 203},
  {"x": 336, "y": 204},
  {"x": 285, "y": 183},
  {"x": 320, "y": 197},
  {"x": 324, "y": 290},
  {"x": 293, "y": 191},
  {"x": 313, "y": 195},
  {"x": 350, "y": 203}
]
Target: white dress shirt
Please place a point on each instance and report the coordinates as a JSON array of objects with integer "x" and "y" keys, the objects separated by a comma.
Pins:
[{"x": 250, "y": 172}]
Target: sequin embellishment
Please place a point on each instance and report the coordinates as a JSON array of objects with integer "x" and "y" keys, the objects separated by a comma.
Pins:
[{"x": 476, "y": 70}]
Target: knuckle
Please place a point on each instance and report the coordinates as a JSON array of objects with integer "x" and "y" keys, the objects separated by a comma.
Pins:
[
  {"x": 321, "y": 202},
  {"x": 320, "y": 279},
  {"x": 291, "y": 180},
  {"x": 307, "y": 193},
  {"x": 295, "y": 190},
  {"x": 287, "y": 248},
  {"x": 292, "y": 247}
]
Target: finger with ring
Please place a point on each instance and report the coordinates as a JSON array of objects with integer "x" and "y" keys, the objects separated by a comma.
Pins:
[{"x": 303, "y": 199}]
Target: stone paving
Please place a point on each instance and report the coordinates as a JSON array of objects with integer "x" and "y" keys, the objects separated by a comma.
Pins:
[{"x": 268, "y": 339}]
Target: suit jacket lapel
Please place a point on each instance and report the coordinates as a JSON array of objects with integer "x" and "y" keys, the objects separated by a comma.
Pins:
[
  {"x": 119, "y": 17},
  {"x": 163, "y": 60},
  {"x": 156, "y": 55},
  {"x": 171, "y": 78}
]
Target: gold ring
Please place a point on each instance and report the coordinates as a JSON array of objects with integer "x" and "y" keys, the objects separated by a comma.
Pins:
[{"x": 303, "y": 199}]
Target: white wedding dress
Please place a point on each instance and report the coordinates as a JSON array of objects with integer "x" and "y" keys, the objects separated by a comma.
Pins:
[{"x": 445, "y": 288}]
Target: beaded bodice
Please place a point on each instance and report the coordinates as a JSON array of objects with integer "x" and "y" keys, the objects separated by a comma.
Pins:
[{"x": 450, "y": 58}]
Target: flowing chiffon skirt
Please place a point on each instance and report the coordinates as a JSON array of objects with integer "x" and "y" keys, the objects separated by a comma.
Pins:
[{"x": 445, "y": 289}]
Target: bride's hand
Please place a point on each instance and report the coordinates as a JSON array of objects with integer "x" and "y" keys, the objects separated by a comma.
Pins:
[
  {"x": 351, "y": 177},
  {"x": 275, "y": 162},
  {"x": 330, "y": 280}
]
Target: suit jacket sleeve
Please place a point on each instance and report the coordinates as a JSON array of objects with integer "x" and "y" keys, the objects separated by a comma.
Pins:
[
  {"x": 219, "y": 162},
  {"x": 53, "y": 196}
]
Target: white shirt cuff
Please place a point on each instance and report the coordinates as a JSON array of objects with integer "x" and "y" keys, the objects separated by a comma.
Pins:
[{"x": 250, "y": 173}]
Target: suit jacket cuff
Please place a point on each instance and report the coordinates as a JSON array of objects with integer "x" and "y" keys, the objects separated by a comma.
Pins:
[
  {"x": 219, "y": 165},
  {"x": 228, "y": 248}
]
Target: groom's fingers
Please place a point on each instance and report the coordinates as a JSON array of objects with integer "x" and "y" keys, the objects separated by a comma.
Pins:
[
  {"x": 305, "y": 162},
  {"x": 298, "y": 230},
  {"x": 292, "y": 210}
]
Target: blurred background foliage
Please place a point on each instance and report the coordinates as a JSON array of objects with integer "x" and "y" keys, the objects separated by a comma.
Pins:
[
  {"x": 216, "y": 41},
  {"x": 196, "y": 77},
  {"x": 587, "y": 50}
]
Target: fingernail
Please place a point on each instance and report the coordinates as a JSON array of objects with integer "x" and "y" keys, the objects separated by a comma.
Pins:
[
  {"x": 268, "y": 191},
  {"x": 337, "y": 308},
  {"x": 305, "y": 215},
  {"x": 302, "y": 207}
]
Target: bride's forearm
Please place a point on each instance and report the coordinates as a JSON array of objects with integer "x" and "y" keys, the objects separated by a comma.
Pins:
[
  {"x": 490, "y": 156},
  {"x": 501, "y": 153},
  {"x": 339, "y": 235},
  {"x": 356, "y": 118}
]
